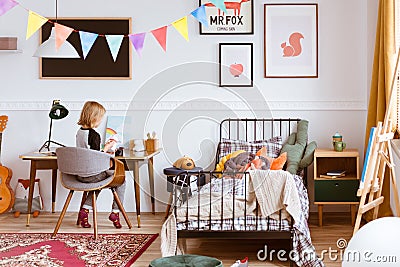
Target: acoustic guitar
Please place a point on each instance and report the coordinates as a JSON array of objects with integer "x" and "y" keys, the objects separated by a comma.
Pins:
[{"x": 7, "y": 196}]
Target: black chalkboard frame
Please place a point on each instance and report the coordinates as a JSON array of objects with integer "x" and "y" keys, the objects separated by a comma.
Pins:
[{"x": 98, "y": 64}]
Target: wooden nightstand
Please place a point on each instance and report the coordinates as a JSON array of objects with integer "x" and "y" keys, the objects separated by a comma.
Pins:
[{"x": 342, "y": 190}]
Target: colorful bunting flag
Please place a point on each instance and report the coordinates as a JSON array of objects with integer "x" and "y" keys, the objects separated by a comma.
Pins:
[
  {"x": 114, "y": 43},
  {"x": 87, "y": 41},
  {"x": 62, "y": 33},
  {"x": 161, "y": 36},
  {"x": 35, "y": 21},
  {"x": 6, "y": 5},
  {"x": 138, "y": 41},
  {"x": 182, "y": 27},
  {"x": 220, "y": 4},
  {"x": 200, "y": 15}
]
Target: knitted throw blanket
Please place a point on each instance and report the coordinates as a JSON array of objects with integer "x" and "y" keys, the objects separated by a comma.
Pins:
[{"x": 276, "y": 190}]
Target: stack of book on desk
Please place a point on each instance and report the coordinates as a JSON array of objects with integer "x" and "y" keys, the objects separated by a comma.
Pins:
[{"x": 334, "y": 174}]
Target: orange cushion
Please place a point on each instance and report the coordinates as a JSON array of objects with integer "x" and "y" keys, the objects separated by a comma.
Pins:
[
  {"x": 262, "y": 152},
  {"x": 279, "y": 162}
]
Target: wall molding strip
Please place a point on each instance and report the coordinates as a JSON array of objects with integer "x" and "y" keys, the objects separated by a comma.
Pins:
[{"x": 195, "y": 105}]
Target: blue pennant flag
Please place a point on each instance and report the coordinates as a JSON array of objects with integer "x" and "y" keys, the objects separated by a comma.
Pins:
[
  {"x": 114, "y": 43},
  {"x": 200, "y": 15},
  {"x": 220, "y": 4},
  {"x": 87, "y": 41}
]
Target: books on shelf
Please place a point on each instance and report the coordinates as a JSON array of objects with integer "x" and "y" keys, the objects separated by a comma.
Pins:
[
  {"x": 330, "y": 176},
  {"x": 333, "y": 174},
  {"x": 336, "y": 172}
]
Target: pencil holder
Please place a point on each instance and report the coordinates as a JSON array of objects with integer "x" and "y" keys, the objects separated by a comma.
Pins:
[{"x": 151, "y": 145}]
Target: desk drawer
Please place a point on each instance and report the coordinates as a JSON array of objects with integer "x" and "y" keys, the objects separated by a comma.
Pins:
[{"x": 336, "y": 190}]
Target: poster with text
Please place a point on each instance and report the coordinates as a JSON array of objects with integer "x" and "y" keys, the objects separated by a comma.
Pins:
[{"x": 238, "y": 18}]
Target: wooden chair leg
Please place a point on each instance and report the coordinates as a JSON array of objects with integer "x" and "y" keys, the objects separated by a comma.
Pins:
[
  {"x": 64, "y": 210},
  {"x": 94, "y": 215},
  {"x": 84, "y": 197},
  {"x": 121, "y": 208}
]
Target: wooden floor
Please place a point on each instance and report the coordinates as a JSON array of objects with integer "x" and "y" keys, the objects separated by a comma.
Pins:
[{"x": 336, "y": 225}]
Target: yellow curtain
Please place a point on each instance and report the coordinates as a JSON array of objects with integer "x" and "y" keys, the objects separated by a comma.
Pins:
[{"x": 382, "y": 75}]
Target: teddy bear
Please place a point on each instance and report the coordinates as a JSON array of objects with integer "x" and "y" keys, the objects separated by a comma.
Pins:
[
  {"x": 21, "y": 198},
  {"x": 185, "y": 163}
]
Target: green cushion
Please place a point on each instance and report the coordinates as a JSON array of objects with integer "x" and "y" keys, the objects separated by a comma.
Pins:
[
  {"x": 302, "y": 133},
  {"x": 294, "y": 155},
  {"x": 186, "y": 260},
  {"x": 291, "y": 139},
  {"x": 308, "y": 155},
  {"x": 295, "y": 150}
]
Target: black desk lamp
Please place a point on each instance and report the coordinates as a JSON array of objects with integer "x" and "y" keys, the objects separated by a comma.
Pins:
[{"x": 57, "y": 112}]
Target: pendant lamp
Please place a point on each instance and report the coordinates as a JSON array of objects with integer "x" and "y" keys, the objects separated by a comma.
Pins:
[{"x": 48, "y": 48}]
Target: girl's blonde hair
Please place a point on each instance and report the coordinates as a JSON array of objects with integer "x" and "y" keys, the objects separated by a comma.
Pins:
[{"x": 92, "y": 112}]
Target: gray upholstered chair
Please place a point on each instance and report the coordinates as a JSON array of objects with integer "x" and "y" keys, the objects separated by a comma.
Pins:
[{"x": 75, "y": 161}]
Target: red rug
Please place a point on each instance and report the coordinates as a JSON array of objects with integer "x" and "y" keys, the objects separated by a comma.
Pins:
[{"x": 77, "y": 250}]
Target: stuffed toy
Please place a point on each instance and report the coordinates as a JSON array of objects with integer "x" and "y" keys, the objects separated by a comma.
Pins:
[
  {"x": 243, "y": 161},
  {"x": 21, "y": 198},
  {"x": 185, "y": 163}
]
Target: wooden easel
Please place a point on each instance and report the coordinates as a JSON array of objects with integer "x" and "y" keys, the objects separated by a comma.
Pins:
[{"x": 380, "y": 158}]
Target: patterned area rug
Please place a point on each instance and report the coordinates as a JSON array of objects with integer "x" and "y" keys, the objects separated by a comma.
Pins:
[{"x": 75, "y": 250}]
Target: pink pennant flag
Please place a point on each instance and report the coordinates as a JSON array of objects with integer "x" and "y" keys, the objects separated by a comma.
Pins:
[
  {"x": 138, "y": 41},
  {"x": 161, "y": 35},
  {"x": 62, "y": 33},
  {"x": 6, "y": 5}
]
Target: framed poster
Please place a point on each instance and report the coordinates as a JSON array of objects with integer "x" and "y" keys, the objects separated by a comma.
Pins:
[
  {"x": 99, "y": 64},
  {"x": 290, "y": 40},
  {"x": 236, "y": 64},
  {"x": 238, "y": 19}
]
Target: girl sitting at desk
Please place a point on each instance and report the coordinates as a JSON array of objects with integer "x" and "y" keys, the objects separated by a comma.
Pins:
[{"x": 91, "y": 116}]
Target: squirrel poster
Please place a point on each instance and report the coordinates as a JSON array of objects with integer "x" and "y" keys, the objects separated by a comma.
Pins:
[{"x": 294, "y": 47}]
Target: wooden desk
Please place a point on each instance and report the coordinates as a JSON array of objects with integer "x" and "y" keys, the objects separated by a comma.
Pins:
[{"x": 132, "y": 161}]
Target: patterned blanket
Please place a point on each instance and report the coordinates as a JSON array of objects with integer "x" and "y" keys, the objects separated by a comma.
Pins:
[{"x": 305, "y": 252}]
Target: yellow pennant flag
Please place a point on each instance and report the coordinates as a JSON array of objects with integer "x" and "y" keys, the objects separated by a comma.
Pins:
[
  {"x": 181, "y": 26},
  {"x": 35, "y": 21}
]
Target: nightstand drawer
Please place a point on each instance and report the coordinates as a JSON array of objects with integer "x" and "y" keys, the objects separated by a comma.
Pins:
[{"x": 336, "y": 190}]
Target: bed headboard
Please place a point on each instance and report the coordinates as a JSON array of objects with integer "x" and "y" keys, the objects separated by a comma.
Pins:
[{"x": 256, "y": 129}]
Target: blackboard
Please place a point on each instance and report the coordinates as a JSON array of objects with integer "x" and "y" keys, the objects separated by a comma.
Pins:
[{"x": 99, "y": 63}]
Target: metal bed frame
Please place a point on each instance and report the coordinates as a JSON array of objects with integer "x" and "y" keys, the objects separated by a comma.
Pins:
[{"x": 247, "y": 130}]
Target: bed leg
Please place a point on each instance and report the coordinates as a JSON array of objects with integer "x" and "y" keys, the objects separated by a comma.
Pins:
[
  {"x": 182, "y": 248},
  {"x": 291, "y": 262}
]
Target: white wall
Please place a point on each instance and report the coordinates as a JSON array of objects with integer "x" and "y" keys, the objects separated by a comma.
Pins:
[{"x": 336, "y": 101}]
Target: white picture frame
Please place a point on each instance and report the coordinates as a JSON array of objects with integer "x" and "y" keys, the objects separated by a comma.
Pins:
[
  {"x": 291, "y": 40},
  {"x": 236, "y": 64},
  {"x": 238, "y": 20}
]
